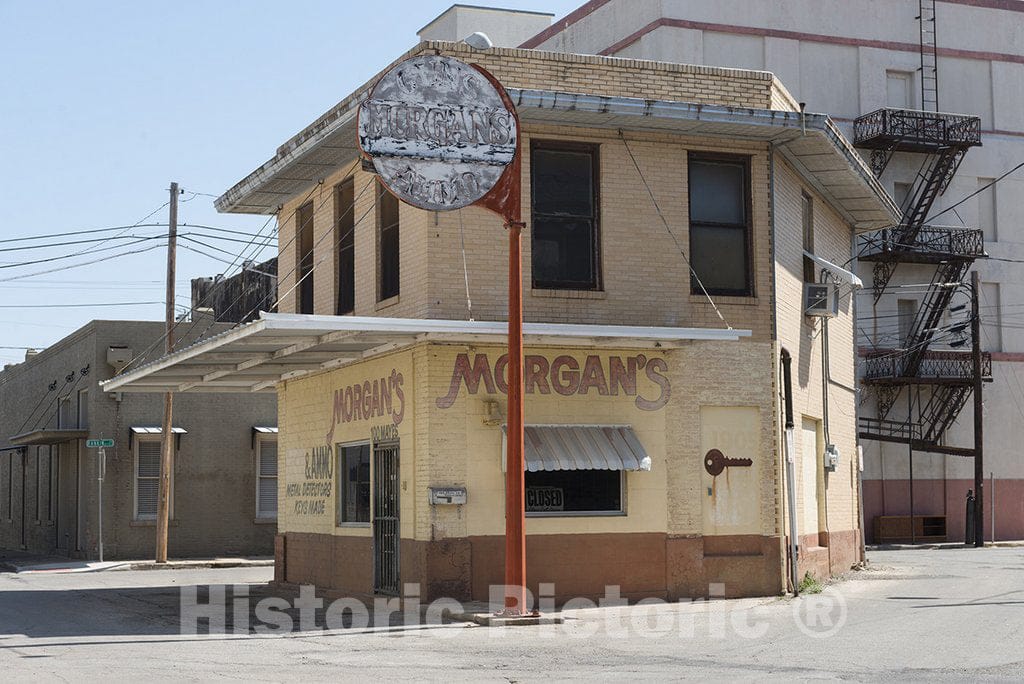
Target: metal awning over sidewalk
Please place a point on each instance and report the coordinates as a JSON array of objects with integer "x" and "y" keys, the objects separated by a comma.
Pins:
[
  {"x": 256, "y": 356},
  {"x": 48, "y": 437}
]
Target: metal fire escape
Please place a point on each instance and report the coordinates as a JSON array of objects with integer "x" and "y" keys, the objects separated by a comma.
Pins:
[{"x": 943, "y": 139}]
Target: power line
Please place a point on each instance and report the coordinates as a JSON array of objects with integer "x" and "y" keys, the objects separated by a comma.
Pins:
[
  {"x": 976, "y": 192},
  {"x": 71, "y": 306},
  {"x": 79, "y": 265},
  {"x": 94, "y": 251},
  {"x": 672, "y": 235},
  {"x": 65, "y": 243},
  {"x": 85, "y": 232}
]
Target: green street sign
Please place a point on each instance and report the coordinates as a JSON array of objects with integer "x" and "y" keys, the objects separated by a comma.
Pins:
[{"x": 96, "y": 443}]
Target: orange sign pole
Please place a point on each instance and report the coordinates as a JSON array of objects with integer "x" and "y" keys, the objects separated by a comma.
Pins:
[
  {"x": 515, "y": 515},
  {"x": 443, "y": 81},
  {"x": 505, "y": 199}
]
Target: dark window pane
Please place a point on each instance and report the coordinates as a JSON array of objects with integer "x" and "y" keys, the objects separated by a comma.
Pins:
[
  {"x": 304, "y": 228},
  {"x": 563, "y": 182},
  {"x": 719, "y": 257},
  {"x": 717, "y": 192},
  {"x": 564, "y": 211},
  {"x": 563, "y": 253},
  {"x": 574, "y": 490},
  {"x": 354, "y": 485},
  {"x": 388, "y": 244},
  {"x": 345, "y": 213}
]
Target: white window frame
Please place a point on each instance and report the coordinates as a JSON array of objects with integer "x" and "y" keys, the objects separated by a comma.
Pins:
[
  {"x": 339, "y": 481},
  {"x": 621, "y": 512},
  {"x": 260, "y": 441},
  {"x": 139, "y": 439}
]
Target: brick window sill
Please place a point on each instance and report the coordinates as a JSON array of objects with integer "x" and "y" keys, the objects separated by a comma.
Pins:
[
  {"x": 385, "y": 303},
  {"x": 150, "y": 523},
  {"x": 725, "y": 299}
]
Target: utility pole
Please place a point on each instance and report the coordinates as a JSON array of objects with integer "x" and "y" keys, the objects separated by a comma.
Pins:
[
  {"x": 167, "y": 450},
  {"x": 979, "y": 461}
]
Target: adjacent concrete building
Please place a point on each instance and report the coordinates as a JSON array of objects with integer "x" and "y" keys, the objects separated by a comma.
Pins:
[
  {"x": 645, "y": 183},
  {"x": 224, "y": 482}
]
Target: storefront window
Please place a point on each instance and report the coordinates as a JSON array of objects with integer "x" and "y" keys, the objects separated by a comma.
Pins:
[
  {"x": 575, "y": 492},
  {"x": 354, "y": 483}
]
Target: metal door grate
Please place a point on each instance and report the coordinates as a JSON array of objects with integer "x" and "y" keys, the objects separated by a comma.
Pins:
[{"x": 386, "y": 537}]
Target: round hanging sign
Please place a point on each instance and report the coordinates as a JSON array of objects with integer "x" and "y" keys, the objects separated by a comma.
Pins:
[{"x": 439, "y": 132}]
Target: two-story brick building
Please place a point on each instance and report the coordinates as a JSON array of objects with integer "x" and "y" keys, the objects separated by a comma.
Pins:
[{"x": 669, "y": 208}]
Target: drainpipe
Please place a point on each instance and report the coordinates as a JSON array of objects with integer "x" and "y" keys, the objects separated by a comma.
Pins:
[
  {"x": 859, "y": 469},
  {"x": 794, "y": 550}
]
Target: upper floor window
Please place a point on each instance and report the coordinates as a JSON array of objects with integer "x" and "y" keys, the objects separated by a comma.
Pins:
[
  {"x": 344, "y": 224},
  {"x": 720, "y": 224},
  {"x": 566, "y": 245},
  {"x": 83, "y": 409},
  {"x": 807, "y": 221},
  {"x": 387, "y": 244},
  {"x": 304, "y": 243},
  {"x": 899, "y": 89}
]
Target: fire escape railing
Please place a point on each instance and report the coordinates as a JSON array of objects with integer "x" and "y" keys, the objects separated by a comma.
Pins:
[{"x": 944, "y": 140}]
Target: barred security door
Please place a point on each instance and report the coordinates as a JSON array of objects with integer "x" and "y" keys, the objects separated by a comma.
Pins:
[{"x": 386, "y": 537}]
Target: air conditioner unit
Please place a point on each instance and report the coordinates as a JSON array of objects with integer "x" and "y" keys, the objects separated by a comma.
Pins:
[{"x": 821, "y": 299}]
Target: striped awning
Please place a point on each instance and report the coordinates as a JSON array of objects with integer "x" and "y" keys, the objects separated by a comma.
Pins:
[
  {"x": 155, "y": 430},
  {"x": 584, "y": 447}
]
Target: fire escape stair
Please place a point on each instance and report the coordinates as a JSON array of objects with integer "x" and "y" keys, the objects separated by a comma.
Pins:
[{"x": 949, "y": 375}]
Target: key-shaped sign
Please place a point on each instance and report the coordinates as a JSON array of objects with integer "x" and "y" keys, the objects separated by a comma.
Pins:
[{"x": 715, "y": 462}]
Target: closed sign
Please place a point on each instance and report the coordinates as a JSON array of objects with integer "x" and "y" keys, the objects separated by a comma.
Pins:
[{"x": 544, "y": 499}]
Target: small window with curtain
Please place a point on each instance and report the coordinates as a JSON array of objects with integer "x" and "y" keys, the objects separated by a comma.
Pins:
[
  {"x": 353, "y": 484},
  {"x": 266, "y": 477},
  {"x": 719, "y": 192},
  {"x": 147, "y": 476},
  {"x": 304, "y": 242},
  {"x": 387, "y": 245},
  {"x": 564, "y": 212},
  {"x": 344, "y": 223}
]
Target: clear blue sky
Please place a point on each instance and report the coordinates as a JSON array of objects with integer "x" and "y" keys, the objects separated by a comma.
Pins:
[{"x": 104, "y": 103}]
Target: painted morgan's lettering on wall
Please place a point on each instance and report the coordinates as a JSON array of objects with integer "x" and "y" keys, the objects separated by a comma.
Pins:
[
  {"x": 564, "y": 375},
  {"x": 368, "y": 400}
]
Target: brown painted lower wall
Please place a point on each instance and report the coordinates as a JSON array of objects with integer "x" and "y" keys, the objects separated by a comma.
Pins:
[
  {"x": 824, "y": 554},
  {"x": 948, "y": 498},
  {"x": 582, "y": 565}
]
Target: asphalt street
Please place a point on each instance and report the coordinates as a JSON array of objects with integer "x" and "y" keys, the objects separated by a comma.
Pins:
[{"x": 946, "y": 614}]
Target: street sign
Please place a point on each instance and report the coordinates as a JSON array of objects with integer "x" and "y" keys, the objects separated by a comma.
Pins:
[
  {"x": 97, "y": 443},
  {"x": 439, "y": 132}
]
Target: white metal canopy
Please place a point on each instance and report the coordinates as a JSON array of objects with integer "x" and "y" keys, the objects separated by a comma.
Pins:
[{"x": 256, "y": 356}]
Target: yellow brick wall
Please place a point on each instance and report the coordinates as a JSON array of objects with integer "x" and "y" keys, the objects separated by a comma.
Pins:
[
  {"x": 449, "y": 444},
  {"x": 645, "y": 279},
  {"x": 802, "y": 336}
]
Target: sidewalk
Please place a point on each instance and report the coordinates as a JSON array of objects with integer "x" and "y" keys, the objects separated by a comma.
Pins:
[
  {"x": 942, "y": 545},
  {"x": 21, "y": 562}
]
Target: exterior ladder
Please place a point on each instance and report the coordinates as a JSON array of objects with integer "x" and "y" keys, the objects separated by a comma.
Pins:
[{"x": 929, "y": 56}]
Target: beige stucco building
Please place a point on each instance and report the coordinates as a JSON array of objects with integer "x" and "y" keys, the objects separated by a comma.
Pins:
[{"x": 387, "y": 358}]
